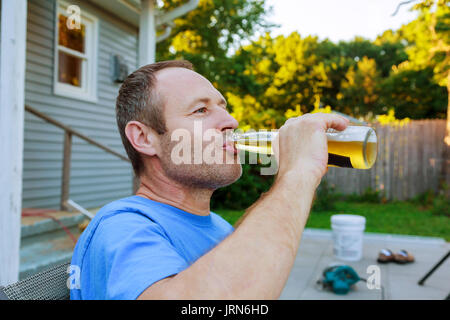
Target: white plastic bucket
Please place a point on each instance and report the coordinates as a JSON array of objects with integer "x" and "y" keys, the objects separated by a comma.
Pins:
[{"x": 348, "y": 230}]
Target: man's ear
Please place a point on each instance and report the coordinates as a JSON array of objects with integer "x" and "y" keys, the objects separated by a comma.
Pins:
[{"x": 143, "y": 139}]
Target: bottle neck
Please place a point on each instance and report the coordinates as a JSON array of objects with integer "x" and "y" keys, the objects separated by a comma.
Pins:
[{"x": 254, "y": 136}]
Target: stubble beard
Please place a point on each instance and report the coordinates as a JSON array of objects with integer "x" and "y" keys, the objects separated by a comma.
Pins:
[{"x": 198, "y": 176}]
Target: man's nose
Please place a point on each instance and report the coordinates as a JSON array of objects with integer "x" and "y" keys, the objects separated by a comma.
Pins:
[{"x": 228, "y": 122}]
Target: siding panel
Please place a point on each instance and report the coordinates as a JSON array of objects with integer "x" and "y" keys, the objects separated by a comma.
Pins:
[{"x": 96, "y": 176}]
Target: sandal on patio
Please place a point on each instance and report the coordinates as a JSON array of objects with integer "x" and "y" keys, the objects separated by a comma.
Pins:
[
  {"x": 403, "y": 257},
  {"x": 386, "y": 256}
]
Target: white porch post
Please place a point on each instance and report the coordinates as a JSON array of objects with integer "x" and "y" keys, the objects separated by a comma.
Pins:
[
  {"x": 148, "y": 23},
  {"x": 12, "y": 84},
  {"x": 147, "y": 33}
]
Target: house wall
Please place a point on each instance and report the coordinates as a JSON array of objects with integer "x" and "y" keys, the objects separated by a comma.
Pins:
[{"x": 96, "y": 176}]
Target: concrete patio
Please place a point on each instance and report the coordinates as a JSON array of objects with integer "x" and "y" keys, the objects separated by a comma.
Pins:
[
  {"x": 399, "y": 281},
  {"x": 44, "y": 244}
]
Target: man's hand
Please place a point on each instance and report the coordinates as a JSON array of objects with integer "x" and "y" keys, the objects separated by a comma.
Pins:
[{"x": 301, "y": 147}]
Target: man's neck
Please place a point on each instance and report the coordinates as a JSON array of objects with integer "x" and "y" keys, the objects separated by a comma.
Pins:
[{"x": 162, "y": 189}]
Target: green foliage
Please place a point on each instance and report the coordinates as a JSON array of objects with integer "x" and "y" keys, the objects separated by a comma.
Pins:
[
  {"x": 424, "y": 199},
  {"x": 428, "y": 39},
  {"x": 244, "y": 192},
  {"x": 208, "y": 35},
  {"x": 441, "y": 206},
  {"x": 414, "y": 94},
  {"x": 437, "y": 203},
  {"x": 356, "y": 78},
  {"x": 326, "y": 197},
  {"x": 399, "y": 217},
  {"x": 360, "y": 87},
  {"x": 404, "y": 69},
  {"x": 368, "y": 196}
]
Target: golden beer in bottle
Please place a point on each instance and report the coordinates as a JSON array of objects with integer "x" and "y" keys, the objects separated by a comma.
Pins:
[{"x": 355, "y": 147}]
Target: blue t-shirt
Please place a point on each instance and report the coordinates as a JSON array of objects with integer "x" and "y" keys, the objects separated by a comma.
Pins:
[{"x": 134, "y": 242}]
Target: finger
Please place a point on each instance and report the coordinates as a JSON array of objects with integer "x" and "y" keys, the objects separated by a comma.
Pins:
[{"x": 334, "y": 121}]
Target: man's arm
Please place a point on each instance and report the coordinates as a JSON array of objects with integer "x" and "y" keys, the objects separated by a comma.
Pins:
[{"x": 254, "y": 262}]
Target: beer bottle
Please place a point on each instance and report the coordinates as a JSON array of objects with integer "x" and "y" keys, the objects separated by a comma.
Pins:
[{"x": 355, "y": 147}]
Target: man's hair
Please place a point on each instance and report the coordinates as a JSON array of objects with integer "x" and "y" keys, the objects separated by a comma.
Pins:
[{"x": 139, "y": 101}]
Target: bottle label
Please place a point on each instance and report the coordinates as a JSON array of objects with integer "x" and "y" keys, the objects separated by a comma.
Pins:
[{"x": 340, "y": 161}]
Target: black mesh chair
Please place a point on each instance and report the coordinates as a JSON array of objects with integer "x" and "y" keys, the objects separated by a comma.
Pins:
[{"x": 50, "y": 284}]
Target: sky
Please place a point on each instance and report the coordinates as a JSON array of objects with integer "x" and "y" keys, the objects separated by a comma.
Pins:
[{"x": 338, "y": 19}]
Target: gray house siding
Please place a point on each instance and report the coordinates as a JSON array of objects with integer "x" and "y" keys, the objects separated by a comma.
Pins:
[{"x": 96, "y": 176}]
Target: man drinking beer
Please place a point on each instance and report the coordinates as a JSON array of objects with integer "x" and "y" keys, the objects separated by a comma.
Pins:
[{"x": 164, "y": 242}]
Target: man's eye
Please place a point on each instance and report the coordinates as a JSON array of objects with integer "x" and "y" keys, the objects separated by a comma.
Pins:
[{"x": 201, "y": 110}]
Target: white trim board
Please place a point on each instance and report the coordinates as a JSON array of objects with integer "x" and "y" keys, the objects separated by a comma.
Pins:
[{"x": 12, "y": 100}]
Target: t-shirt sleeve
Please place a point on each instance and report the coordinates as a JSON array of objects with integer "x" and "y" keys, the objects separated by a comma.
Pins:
[{"x": 127, "y": 254}]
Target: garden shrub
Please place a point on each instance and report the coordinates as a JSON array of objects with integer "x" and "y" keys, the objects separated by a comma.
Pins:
[
  {"x": 441, "y": 203},
  {"x": 424, "y": 199},
  {"x": 369, "y": 195},
  {"x": 436, "y": 202},
  {"x": 441, "y": 206},
  {"x": 245, "y": 191},
  {"x": 326, "y": 197}
]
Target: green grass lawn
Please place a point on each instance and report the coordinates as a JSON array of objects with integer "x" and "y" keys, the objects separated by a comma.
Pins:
[{"x": 394, "y": 217}]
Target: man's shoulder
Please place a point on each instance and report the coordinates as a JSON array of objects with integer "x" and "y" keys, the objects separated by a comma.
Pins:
[
  {"x": 132, "y": 206},
  {"x": 121, "y": 231},
  {"x": 224, "y": 227},
  {"x": 113, "y": 217},
  {"x": 131, "y": 203}
]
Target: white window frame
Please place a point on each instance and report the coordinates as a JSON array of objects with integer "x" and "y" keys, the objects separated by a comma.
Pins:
[{"x": 88, "y": 89}]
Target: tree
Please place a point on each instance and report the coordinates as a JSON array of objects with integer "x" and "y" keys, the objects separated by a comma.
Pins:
[
  {"x": 359, "y": 88},
  {"x": 287, "y": 75},
  {"x": 209, "y": 35},
  {"x": 430, "y": 36},
  {"x": 413, "y": 94}
]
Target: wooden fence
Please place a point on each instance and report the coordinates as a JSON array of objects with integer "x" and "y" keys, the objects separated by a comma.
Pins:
[{"x": 409, "y": 162}]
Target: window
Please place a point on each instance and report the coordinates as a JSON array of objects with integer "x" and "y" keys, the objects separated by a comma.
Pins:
[{"x": 75, "y": 72}]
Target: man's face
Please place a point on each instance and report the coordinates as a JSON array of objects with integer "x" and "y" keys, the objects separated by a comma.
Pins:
[{"x": 192, "y": 105}]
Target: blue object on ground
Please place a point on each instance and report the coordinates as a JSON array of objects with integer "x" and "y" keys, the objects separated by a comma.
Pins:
[{"x": 340, "y": 278}]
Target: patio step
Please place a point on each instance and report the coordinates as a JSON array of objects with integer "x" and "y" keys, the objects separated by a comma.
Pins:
[{"x": 44, "y": 243}]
